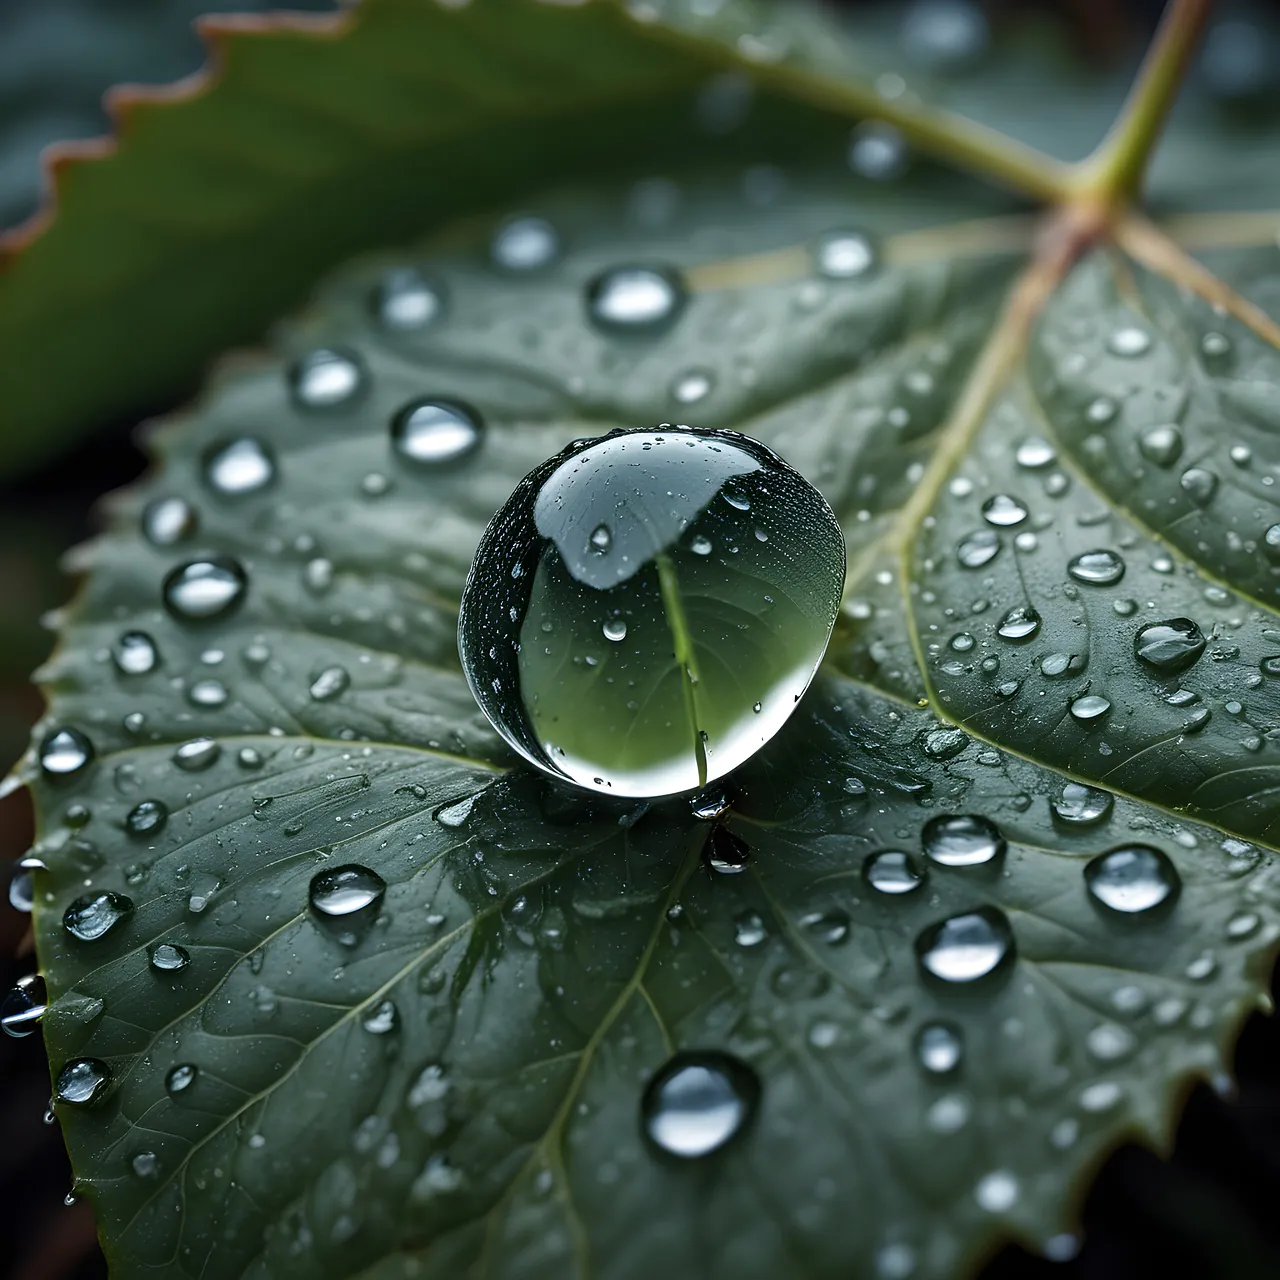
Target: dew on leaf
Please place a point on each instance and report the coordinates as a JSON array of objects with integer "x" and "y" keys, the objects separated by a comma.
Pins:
[
  {"x": 94, "y": 915},
  {"x": 1170, "y": 647},
  {"x": 525, "y": 244},
  {"x": 877, "y": 151},
  {"x": 601, "y": 540},
  {"x": 381, "y": 1019},
  {"x": 82, "y": 1082},
  {"x": 997, "y": 1192},
  {"x": 208, "y": 693},
  {"x": 135, "y": 654},
  {"x": 692, "y": 386},
  {"x": 962, "y": 840},
  {"x": 1101, "y": 411},
  {"x": 939, "y": 1047},
  {"x": 1271, "y": 543},
  {"x": 181, "y": 1077},
  {"x": 615, "y": 629},
  {"x": 168, "y": 957},
  {"x": 1199, "y": 485},
  {"x": 22, "y": 885},
  {"x": 893, "y": 871},
  {"x": 432, "y": 433},
  {"x": 697, "y": 1102},
  {"x": 235, "y": 468},
  {"x": 1101, "y": 568},
  {"x": 845, "y": 255},
  {"x": 146, "y": 818},
  {"x": 349, "y": 897},
  {"x": 204, "y": 590},
  {"x": 22, "y": 1010},
  {"x": 196, "y": 754},
  {"x": 1132, "y": 879},
  {"x": 710, "y": 804},
  {"x": 1003, "y": 511},
  {"x": 635, "y": 299},
  {"x": 405, "y": 299},
  {"x": 1035, "y": 452},
  {"x": 329, "y": 683},
  {"x": 1089, "y": 708},
  {"x": 830, "y": 926},
  {"x": 168, "y": 521},
  {"x": 1129, "y": 342},
  {"x": 967, "y": 947},
  {"x": 978, "y": 549},
  {"x": 748, "y": 929},
  {"x": 1022, "y": 622},
  {"x": 64, "y": 753},
  {"x": 1081, "y": 806},
  {"x": 326, "y": 378},
  {"x": 1161, "y": 445},
  {"x": 530, "y": 626},
  {"x": 726, "y": 852}
]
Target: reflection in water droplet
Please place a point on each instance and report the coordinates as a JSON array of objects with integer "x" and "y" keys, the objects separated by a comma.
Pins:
[
  {"x": 966, "y": 947},
  {"x": 1035, "y": 452},
  {"x": 978, "y": 549},
  {"x": 601, "y": 539},
  {"x": 328, "y": 684},
  {"x": 168, "y": 957},
  {"x": 1132, "y": 879},
  {"x": 1020, "y": 623},
  {"x": 525, "y": 244},
  {"x": 82, "y": 1082},
  {"x": 348, "y": 898},
  {"x": 135, "y": 654},
  {"x": 1129, "y": 342},
  {"x": 1081, "y": 806},
  {"x": 405, "y": 299},
  {"x": 939, "y": 1047},
  {"x": 326, "y": 379},
  {"x": 1161, "y": 445},
  {"x": 168, "y": 521},
  {"x": 147, "y": 817},
  {"x": 1169, "y": 647},
  {"x": 962, "y": 840},
  {"x": 64, "y": 753},
  {"x": 202, "y": 590},
  {"x": 1200, "y": 485},
  {"x": 635, "y": 299},
  {"x": 844, "y": 255},
  {"x": 198, "y": 754},
  {"x": 1002, "y": 510},
  {"x": 436, "y": 433},
  {"x": 749, "y": 930},
  {"x": 181, "y": 1078},
  {"x": 1090, "y": 708},
  {"x": 95, "y": 914},
  {"x": 698, "y": 1102},
  {"x": 1101, "y": 568},
  {"x": 615, "y": 629},
  {"x": 237, "y": 467},
  {"x": 381, "y": 1019},
  {"x": 726, "y": 852},
  {"x": 23, "y": 1008},
  {"x": 893, "y": 871}
]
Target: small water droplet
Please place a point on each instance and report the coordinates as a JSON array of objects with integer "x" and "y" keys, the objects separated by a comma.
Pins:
[
  {"x": 348, "y": 897},
  {"x": 94, "y": 915},
  {"x": 1089, "y": 708},
  {"x": 168, "y": 957},
  {"x": 203, "y": 590},
  {"x": 893, "y": 871},
  {"x": 697, "y": 1102},
  {"x": 1100, "y": 568},
  {"x": 64, "y": 753},
  {"x": 726, "y": 852},
  {"x": 168, "y": 521},
  {"x": 135, "y": 654},
  {"x": 1101, "y": 411},
  {"x": 23, "y": 1008},
  {"x": 601, "y": 539},
  {"x": 845, "y": 255},
  {"x": 1081, "y": 806},
  {"x": 1132, "y": 879},
  {"x": 693, "y": 386},
  {"x": 1003, "y": 510},
  {"x": 436, "y": 433},
  {"x": 1200, "y": 485},
  {"x": 700, "y": 545},
  {"x": 1170, "y": 647},
  {"x": 831, "y": 926},
  {"x": 748, "y": 929},
  {"x": 208, "y": 693},
  {"x": 635, "y": 299},
  {"x": 1035, "y": 452},
  {"x": 181, "y": 1077},
  {"x": 1129, "y": 341},
  {"x": 615, "y": 629},
  {"x": 1161, "y": 445},
  {"x": 326, "y": 379},
  {"x": 82, "y": 1082},
  {"x": 939, "y": 1047},
  {"x": 978, "y": 549},
  {"x": 328, "y": 684},
  {"x": 238, "y": 467},
  {"x": 962, "y": 840},
  {"x": 145, "y": 1164},
  {"x": 381, "y": 1019},
  {"x": 997, "y": 1192},
  {"x": 1022, "y": 622},
  {"x": 405, "y": 299},
  {"x": 966, "y": 947},
  {"x": 525, "y": 244},
  {"x": 877, "y": 151},
  {"x": 146, "y": 818},
  {"x": 197, "y": 754}
]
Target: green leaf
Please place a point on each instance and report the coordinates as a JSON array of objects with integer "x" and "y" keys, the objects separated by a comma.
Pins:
[{"x": 454, "y": 1088}]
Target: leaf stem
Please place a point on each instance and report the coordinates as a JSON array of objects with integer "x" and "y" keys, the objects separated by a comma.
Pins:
[{"x": 1115, "y": 170}]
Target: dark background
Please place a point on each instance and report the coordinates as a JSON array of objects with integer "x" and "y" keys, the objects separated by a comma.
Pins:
[{"x": 1210, "y": 1210}]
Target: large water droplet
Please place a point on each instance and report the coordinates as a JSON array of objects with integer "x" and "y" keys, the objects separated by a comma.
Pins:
[
  {"x": 168, "y": 521},
  {"x": 1020, "y": 623},
  {"x": 893, "y": 871},
  {"x": 237, "y": 467},
  {"x": 95, "y": 914},
  {"x": 64, "y": 753},
  {"x": 525, "y": 244},
  {"x": 698, "y": 1102},
  {"x": 146, "y": 818},
  {"x": 939, "y": 1047},
  {"x": 966, "y": 947},
  {"x": 1081, "y": 806},
  {"x": 565, "y": 693},
  {"x": 1132, "y": 879},
  {"x": 405, "y": 299},
  {"x": 962, "y": 840},
  {"x": 1169, "y": 647},
  {"x": 436, "y": 433},
  {"x": 1090, "y": 708},
  {"x": 326, "y": 379},
  {"x": 346, "y": 901},
  {"x": 23, "y": 1008},
  {"x": 1101, "y": 568},
  {"x": 82, "y": 1082},
  {"x": 135, "y": 654},
  {"x": 635, "y": 299},
  {"x": 204, "y": 590},
  {"x": 845, "y": 255}
]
